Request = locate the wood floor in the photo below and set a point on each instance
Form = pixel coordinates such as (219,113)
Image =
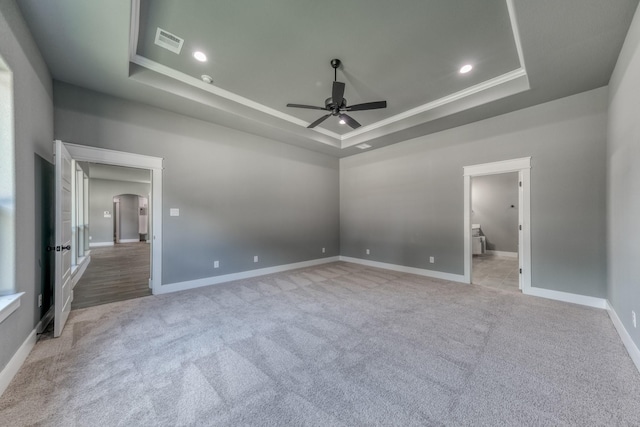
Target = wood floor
(116,273)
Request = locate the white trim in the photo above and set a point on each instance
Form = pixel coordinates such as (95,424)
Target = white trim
(404,269)
(130,240)
(480,87)
(502,253)
(516,31)
(631,347)
(141,161)
(503,166)
(523,167)
(16,361)
(9,304)
(215,280)
(84,153)
(79,271)
(566,297)
(100,244)
(222,93)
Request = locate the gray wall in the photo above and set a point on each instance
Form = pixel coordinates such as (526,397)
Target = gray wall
(623,156)
(129,223)
(405,202)
(33,135)
(491,199)
(239,194)
(101,193)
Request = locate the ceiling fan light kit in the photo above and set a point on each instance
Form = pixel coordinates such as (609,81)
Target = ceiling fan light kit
(337,105)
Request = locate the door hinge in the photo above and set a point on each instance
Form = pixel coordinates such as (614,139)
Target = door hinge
(520,227)
(520,271)
(520,184)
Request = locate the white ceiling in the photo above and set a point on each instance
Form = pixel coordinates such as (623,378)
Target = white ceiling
(263,55)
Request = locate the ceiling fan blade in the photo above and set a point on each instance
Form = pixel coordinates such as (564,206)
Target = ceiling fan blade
(350,121)
(309,107)
(317,122)
(337,93)
(367,106)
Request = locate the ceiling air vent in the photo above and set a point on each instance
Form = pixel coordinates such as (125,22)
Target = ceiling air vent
(168,41)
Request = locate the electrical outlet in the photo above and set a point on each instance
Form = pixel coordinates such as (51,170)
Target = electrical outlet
(432,259)
(368,252)
(216,264)
(40,305)
(633,317)
(323,250)
(255,258)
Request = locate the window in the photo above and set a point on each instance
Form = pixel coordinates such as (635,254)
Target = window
(7,184)
(9,299)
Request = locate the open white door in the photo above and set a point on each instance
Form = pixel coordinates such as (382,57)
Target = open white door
(63,295)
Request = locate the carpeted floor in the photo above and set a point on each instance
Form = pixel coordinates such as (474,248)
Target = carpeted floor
(337,344)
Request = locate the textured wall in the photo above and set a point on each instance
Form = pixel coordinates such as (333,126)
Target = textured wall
(623,190)
(33,131)
(405,202)
(491,199)
(239,195)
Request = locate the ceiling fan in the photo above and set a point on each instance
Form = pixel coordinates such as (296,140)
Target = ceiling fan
(337,105)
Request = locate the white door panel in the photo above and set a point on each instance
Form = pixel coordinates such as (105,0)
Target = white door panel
(63,295)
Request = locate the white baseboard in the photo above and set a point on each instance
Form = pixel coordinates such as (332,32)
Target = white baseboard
(631,347)
(215,280)
(79,271)
(503,253)
(566,297)
(129,240)
(16,361)
(100,244)
(404,269)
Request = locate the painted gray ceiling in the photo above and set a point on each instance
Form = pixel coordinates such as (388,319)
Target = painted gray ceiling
(270,53)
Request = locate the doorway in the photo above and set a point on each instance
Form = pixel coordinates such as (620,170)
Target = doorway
(494,231)
(81,153)
(520,169)
(118,229)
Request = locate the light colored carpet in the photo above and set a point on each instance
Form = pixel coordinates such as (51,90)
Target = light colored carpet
(337,344)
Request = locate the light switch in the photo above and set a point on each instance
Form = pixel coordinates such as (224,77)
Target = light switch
(174,212)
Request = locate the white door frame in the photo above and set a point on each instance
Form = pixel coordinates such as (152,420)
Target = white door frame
(523,167)
(120,158)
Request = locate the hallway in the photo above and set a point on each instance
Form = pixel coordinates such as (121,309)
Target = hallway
(116,273)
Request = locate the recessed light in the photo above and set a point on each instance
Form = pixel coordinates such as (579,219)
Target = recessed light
(466,68)
(207,79)
(342,122)
(363,146)
(200,56)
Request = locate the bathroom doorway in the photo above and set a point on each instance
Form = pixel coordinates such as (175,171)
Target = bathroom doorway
(494,231)
(498,255)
